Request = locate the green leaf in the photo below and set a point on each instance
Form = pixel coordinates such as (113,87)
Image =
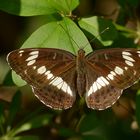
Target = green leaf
(92,137)
(133,3)
(36,122)
(35,7)
(27,7)
(94,26)
(64,35)
(26,138)
(123,42)
(138,107)
(64,6)
(126,31)
(66,132)
(17,79)
(21,138)
(2,118)
(1,113)
(8,80)
(14,107)
(89,122)
(123,28)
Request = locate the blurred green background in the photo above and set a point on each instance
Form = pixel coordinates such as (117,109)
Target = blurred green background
(22,116)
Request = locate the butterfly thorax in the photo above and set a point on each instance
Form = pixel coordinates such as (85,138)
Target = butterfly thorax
(81,71)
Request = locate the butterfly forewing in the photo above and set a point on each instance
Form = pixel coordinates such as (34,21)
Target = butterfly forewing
(50,72)
(113,70)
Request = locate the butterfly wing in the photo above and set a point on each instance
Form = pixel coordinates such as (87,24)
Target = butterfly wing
(48,72)
(109,72)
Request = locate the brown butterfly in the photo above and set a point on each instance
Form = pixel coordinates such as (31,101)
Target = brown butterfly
(56,76)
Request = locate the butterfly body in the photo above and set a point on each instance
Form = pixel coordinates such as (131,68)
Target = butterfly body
(56,76)
(81,72)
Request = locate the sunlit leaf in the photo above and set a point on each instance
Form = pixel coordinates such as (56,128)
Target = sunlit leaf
(64,6)
(36,122)
(95,26)
(21,138)
(64,35)
(27,7)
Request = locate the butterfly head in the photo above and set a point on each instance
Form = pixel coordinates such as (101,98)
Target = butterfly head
(81,53)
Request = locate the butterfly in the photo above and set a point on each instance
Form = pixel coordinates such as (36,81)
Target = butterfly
(56,75)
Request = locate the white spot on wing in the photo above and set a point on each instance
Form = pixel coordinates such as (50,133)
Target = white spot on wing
(118,70)
(20,54)
(25,71)
(129,63)
(41,70)
(113,73)
(34,53)
(138,53)
(49,76)
(110,76)
(98,84)
(54,57)
(31,62)
(69,91)
(135,72)
(90,91)
(34,67)
(56,81)
(32,57)
(105,80)
(126,68)
(21,51)
(100,81)
(94,87)
(48,72)
(61,84)
(126,53)
(105,55)
(128,58)
(64,87)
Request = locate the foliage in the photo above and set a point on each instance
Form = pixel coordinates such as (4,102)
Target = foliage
(63,28)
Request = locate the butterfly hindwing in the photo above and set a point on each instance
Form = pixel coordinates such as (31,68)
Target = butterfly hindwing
(59,94)
(100,94)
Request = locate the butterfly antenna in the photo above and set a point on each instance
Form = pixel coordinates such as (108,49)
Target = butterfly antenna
(75,41)
(96,37)
(67,32)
